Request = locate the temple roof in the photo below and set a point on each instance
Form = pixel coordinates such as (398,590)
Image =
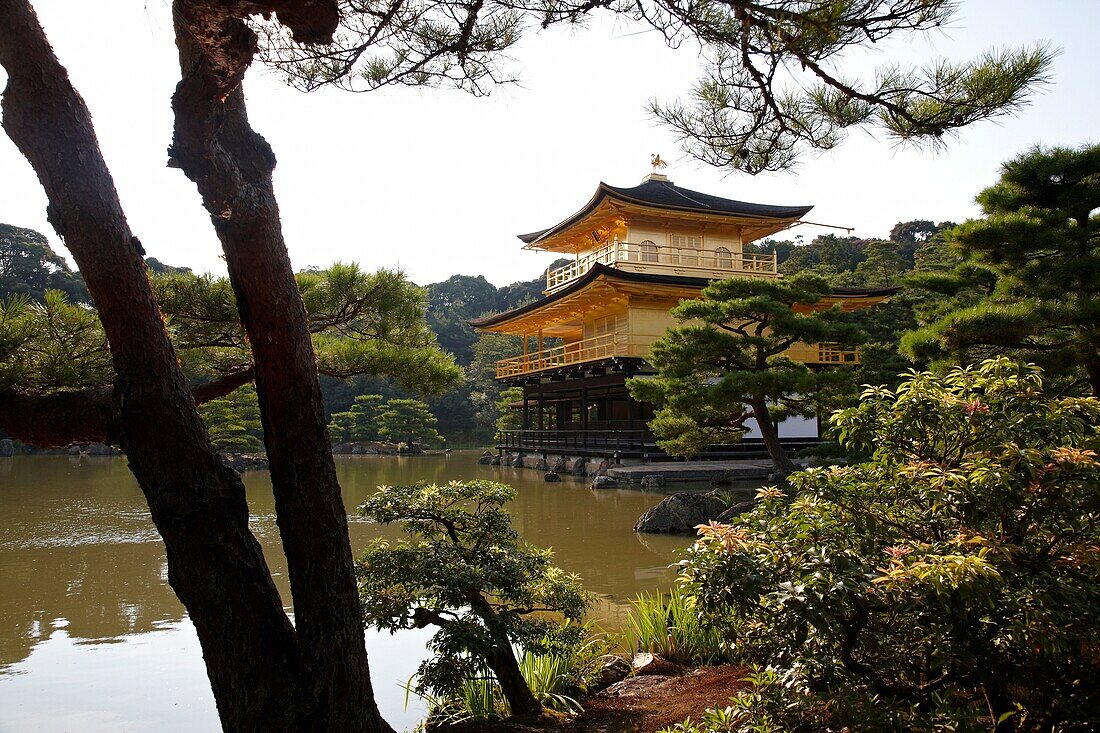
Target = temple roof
(611,273)
(663,194)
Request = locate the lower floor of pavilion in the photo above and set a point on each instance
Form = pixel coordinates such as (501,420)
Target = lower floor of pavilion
(590,413)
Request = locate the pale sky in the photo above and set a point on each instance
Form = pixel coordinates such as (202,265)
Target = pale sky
(437,183)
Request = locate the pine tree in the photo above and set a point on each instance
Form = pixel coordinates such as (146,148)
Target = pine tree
(359,423)
(408,421)
(233,421)
(726,364)
(1036,255)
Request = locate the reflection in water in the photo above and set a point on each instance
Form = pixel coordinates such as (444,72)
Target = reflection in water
(92,637)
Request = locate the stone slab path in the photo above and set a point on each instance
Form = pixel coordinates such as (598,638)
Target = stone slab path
(676,471)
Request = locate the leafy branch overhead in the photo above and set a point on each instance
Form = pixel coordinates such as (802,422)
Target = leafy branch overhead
(362,324)
(776,80)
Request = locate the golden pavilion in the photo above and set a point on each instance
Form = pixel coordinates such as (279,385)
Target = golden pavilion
(635,253)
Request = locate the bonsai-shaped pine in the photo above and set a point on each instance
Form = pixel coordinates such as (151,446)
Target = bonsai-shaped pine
(727,363)
(950,583)
(359,423)
(465,570)
(233,421)
(405,420)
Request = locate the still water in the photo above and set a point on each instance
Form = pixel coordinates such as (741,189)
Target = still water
(93,639)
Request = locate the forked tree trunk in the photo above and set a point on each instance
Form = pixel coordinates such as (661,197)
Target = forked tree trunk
(215,565)
(231,166)
(769,431)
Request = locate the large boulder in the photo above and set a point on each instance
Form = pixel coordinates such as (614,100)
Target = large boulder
(486,458)
(559,466)
(541,465)
(7,448)
(516,462)
(612,669)
(680,513)
(578,468)
(551,478)
(99,449)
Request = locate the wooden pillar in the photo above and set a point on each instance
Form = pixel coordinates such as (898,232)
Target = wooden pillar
(526,409)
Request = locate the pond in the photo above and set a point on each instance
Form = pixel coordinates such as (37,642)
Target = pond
(93,639)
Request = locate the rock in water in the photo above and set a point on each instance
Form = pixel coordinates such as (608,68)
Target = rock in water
(551,477)
(486,458)
(540,465)
(559,465)
(604,482)
(99,449)
(679,513)
(579,468)
(7,448)
(653,481)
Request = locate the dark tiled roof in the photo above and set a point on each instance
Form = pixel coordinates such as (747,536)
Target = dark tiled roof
(666,195)
(641,277)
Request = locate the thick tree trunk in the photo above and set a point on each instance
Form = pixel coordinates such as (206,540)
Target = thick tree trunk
(770,432)
(515,688)
(231,166)
(215,565)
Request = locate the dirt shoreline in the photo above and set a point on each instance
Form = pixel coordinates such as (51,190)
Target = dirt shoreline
(641,704)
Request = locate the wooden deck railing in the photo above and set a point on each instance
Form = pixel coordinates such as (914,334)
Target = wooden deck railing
(591,349)
(825,353)
(620,344)
(693,261)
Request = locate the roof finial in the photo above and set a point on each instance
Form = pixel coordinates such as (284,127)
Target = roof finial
(657,162)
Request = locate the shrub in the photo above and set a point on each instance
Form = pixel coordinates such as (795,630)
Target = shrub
(950,583)
(465,570)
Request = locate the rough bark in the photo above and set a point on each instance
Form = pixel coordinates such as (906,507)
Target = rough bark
(515,688)
(60,419)
(215,565)
(770,433)
(231,166)
(51,420)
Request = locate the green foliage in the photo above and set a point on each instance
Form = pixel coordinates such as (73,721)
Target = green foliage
(29,267)
(672,627)
(1030,284)
(731,355)
(953,577)
(408,421)
(233,421)
(360,423)
(480,698)
(464,569)
(775,81)
(510,418)
(51,345)
(363,324)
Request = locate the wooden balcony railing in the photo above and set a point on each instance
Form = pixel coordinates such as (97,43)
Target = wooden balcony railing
(696,262)
(620,344)
(824,353)
(591,349)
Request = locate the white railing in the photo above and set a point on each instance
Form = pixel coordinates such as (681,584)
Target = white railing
(591,349)
(678,258)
